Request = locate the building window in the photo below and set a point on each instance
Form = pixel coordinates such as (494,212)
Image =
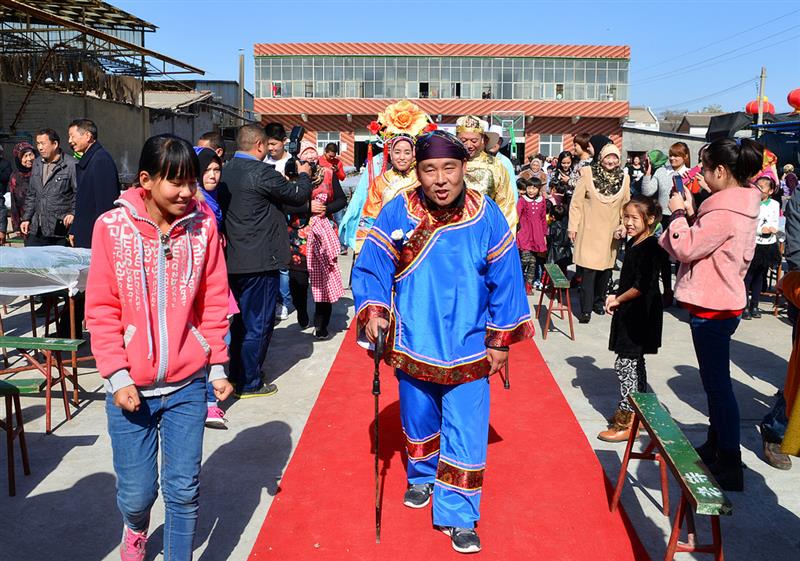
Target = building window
(550,144)
(423,90)
(324,137)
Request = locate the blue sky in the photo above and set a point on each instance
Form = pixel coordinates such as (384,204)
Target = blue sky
(684,55)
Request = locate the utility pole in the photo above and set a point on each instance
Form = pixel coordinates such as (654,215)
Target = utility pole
(761,95)
(241,87)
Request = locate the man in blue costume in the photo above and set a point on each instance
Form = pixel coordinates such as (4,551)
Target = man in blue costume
(440,273)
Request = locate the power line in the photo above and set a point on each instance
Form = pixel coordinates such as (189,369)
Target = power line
(726,90)
(718,41)
(716,59)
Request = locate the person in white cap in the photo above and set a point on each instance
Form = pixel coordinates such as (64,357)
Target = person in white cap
(485,173)
(494,150)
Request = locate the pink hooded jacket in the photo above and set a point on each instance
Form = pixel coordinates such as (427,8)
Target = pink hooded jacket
(716,251)
(156,304)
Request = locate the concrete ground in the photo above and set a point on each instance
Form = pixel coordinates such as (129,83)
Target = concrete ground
(66,509)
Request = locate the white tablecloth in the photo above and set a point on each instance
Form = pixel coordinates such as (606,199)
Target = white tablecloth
(28,271)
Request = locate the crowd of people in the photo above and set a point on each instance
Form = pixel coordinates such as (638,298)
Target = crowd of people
(193,265)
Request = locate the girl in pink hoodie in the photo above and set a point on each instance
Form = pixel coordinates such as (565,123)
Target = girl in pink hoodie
(715,247)
(156,306)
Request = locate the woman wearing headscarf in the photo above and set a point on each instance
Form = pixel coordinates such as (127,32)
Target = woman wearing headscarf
(595,225)
(314,246)
(24,155)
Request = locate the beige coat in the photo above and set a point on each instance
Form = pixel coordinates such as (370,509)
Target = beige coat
(595,218)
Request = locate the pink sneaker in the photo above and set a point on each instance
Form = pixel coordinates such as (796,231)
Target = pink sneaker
(215,418)
(133,544)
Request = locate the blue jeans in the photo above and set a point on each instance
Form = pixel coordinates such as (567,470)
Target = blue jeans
(175,421)
(712,345)
(285,296)
(251,332)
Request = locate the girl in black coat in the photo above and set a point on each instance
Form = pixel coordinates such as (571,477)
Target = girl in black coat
(637,307)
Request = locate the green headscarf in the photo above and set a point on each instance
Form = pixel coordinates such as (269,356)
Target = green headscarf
(657,159)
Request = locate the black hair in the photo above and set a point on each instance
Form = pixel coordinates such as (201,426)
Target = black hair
(647,207)
(215,140)
(742,157)
(85,125)
(168,157)
(558,211)
(249,135)
(522,184)
(332,147)
(51,135)
(536,182)
(769,180)
(275,131)
(565,154)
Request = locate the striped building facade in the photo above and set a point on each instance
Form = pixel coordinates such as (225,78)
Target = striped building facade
(545,94)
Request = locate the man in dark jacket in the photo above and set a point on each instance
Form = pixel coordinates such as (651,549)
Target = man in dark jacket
(251,195)
(50,200)
(98,181)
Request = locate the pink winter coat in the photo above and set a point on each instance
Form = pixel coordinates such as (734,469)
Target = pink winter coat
(156,305)
(716,251)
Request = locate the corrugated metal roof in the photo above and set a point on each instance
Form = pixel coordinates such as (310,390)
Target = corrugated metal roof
(319,106)
(173,100)
(442,49)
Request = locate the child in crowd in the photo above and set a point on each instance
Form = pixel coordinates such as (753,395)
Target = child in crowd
(532,232)
(559,246)
(714,251)
(767,253)
(637,322)
(211,170)
(156,305)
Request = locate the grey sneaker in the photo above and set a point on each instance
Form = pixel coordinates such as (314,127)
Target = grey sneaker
(263,390)
(418,495)
(463,540)
(776,458)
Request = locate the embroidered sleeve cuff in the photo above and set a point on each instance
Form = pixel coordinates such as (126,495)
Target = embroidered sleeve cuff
(371,311)
(216,372)
(503,338)
(118,380)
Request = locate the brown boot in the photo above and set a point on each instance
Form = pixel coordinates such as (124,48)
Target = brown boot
(620,429)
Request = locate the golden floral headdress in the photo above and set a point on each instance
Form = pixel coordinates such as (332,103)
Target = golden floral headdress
(404,118)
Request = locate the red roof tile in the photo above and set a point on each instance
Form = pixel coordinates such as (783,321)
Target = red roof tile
(442,49)
(321,106)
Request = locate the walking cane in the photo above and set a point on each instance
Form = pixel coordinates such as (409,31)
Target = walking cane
(376,391)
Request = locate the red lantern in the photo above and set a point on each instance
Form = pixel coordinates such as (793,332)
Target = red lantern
(752,107)
(793,99)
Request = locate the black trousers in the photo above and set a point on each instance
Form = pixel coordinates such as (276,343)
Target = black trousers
(298,286)
(593,289)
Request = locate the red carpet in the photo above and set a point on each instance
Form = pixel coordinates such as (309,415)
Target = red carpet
(544,496)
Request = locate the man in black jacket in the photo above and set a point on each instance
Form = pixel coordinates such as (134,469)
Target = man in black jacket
(50,200)
(98,181)
(251,195)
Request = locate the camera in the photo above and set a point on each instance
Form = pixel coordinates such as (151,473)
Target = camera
(293,148)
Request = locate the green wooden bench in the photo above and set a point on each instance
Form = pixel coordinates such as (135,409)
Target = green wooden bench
(556,285)
(11,390)
(700,493)
(51,347)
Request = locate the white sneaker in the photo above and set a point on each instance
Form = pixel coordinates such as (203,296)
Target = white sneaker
(282,312)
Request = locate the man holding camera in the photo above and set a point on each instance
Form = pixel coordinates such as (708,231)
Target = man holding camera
(251,195)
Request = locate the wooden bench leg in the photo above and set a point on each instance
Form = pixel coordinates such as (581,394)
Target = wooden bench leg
(62,381)
(3,350)
(545,282)
(716,532)
(569,314)
(66,373)
(549,316)
(20,429)
(9,426)
(662,466)
(623,470)
(33,314)
(677,524)
(48,389)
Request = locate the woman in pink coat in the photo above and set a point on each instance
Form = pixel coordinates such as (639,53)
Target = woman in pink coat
(715,248)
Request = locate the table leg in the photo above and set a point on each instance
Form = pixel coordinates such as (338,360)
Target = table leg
(48,390)
(10,447)
(33,315)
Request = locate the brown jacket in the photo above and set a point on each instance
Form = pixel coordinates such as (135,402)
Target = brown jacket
(595,218)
